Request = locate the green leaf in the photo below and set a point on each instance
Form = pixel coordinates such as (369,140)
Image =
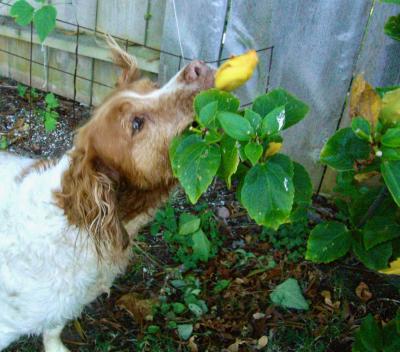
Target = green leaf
(185,331)
(302,185)
(328,241)
(361,128)
(383,90)
(343,149)
(44,21)
(254,119)
(51,101)
(188,223)
(391,138)
(288,294)
(391,1)
(376,258)
(268,191)
(195,164)
(22,11)
(208,114)
(201,245)
(391,337)
(195,309)
(274,121)
(212,137)
(221,285)
(226,101)
(379,229)
(295,109)
(369,336)
(153,329)
(50,123)
(390,153)
(391,174)
(3,142)
(229,159)
(236,126)
(392,27)
(253,152)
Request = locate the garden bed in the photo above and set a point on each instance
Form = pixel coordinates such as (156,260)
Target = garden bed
(235,284)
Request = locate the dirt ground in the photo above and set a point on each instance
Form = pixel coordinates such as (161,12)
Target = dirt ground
(238,317)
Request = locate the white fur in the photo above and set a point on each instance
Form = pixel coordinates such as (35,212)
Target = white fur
(48,270)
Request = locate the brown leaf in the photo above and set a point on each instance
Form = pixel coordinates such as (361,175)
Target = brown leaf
(141,309)
(363,292)
(192,345)
(364,101)
(235,346)
(262,342)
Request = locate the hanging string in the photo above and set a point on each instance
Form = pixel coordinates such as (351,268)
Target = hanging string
(177,28)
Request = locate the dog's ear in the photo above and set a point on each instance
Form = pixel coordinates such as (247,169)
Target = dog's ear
(88,198)
(128,64)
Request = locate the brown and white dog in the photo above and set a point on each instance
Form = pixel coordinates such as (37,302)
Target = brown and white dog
(66,226)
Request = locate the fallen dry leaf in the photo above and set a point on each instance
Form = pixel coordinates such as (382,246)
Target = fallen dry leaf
(364,101)
(192,345)
(363,292)
(141,309)
(235,346)
(262,342)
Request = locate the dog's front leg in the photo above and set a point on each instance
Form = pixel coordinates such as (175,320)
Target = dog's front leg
(52,341)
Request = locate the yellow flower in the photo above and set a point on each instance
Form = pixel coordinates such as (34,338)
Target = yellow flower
(394,268)
(273,148)
(236,71)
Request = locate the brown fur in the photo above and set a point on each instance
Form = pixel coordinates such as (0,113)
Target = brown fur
(118,174)
(37,166)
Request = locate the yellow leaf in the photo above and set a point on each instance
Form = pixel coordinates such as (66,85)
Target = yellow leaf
(390,113)
(236,71)
(141,309)
(273,148)
(364,101)
(394,268)
(366,176)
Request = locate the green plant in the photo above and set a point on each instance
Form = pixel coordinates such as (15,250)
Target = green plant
(243,145)
(49,115)
(392,25)
(3,142)
(21,90)
(373,337)
(369,218)
(192,239)
(43,17)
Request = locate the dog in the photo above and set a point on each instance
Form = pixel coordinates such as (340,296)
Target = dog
(66,225)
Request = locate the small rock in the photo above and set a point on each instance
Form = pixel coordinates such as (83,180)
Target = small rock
(223,212)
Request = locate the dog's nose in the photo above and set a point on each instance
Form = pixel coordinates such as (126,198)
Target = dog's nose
(195,70)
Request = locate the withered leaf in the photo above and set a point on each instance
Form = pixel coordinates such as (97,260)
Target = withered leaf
(363,292)
(364,101)
(141,309)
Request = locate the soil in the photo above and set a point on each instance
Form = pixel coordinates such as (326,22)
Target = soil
(239,316)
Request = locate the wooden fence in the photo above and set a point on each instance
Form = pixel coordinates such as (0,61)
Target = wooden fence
(312,48)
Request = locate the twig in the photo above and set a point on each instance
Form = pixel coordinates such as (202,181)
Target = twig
(374,206)
(7,87)
(147,255)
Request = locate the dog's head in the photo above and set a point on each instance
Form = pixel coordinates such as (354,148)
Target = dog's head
(127,142)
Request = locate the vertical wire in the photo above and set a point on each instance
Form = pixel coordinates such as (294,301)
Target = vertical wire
(76,70)
(30,71)
(177,28)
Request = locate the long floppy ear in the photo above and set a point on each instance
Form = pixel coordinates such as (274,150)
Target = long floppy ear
(88,197)
(130,70)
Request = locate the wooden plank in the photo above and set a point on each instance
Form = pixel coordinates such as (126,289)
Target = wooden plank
(89,45)
(77,11)
(201,25)
(123,18)
(105,75)
(155,23)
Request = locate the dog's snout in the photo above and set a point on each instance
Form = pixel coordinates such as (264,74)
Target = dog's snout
(198,71)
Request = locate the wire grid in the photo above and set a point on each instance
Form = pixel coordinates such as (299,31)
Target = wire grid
(268,51)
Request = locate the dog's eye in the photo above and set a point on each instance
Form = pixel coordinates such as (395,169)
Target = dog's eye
(137,124)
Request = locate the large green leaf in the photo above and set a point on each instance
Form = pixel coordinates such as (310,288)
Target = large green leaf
(369,337)
(229,159)
(268,191)
(379,229)
(274,121)
(195,164)
(208,114)
(44,20)
(327,242)
(295,109)
(22,11)
(391,337)
(390,153)
(376,258)
(201,245)
(302,185)
(236,126)
(254,119)
(288,294)
(391,138)
(226,101)
(392,27)
(188,223)
(343,149)
(391,174)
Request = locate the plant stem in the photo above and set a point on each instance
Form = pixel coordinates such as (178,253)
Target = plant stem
(374,206)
